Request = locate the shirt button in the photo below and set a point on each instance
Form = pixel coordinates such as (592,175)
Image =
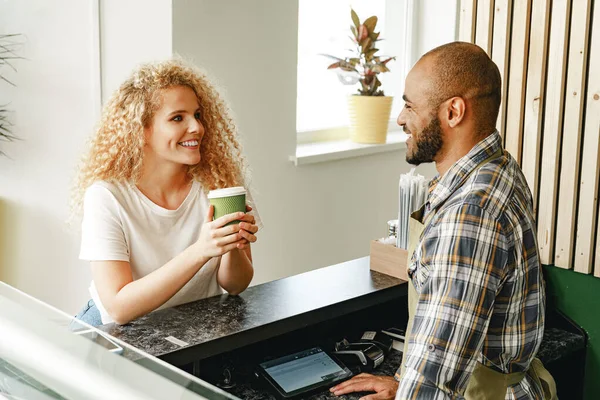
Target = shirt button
(431,347)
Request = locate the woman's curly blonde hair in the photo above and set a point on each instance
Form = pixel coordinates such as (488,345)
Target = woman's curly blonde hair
(116,150)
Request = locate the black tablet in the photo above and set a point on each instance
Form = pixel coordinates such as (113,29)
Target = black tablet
(303,372)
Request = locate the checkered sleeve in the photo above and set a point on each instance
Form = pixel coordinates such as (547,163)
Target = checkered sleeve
(461,268)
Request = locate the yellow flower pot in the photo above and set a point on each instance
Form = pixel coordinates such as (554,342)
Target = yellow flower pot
(369,118)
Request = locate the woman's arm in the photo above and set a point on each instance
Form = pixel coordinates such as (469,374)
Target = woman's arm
(236,271)
(126,299)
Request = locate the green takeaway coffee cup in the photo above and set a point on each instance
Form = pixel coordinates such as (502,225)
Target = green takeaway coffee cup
(228,201)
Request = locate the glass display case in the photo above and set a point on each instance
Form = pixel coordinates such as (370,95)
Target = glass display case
(48,354)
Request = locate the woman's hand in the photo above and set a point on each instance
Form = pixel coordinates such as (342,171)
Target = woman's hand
(248,229)
(217,239)
(236,271)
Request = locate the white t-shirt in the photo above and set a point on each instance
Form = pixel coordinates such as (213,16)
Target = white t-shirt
(120,223)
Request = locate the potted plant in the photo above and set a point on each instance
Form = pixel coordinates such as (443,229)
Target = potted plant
(369,109)
(7,54)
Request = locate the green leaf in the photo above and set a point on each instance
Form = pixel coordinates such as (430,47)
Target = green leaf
(335,65)
(374,36)
(379,68)
(354,18)
(5,127)
(349,69)
(370,23)
(370,52)
(353,29)
(363,33)
(366,44)
(347,66)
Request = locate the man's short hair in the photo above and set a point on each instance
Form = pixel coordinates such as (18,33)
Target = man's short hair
(464,70)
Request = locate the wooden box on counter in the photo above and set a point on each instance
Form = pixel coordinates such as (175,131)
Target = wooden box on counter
(389,259)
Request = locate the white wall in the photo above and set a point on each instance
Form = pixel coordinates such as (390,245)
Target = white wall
(56,104)
(435,24)
(314,215)
(53,107)
(132,32)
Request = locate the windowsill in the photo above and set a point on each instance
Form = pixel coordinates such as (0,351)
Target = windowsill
(317,152)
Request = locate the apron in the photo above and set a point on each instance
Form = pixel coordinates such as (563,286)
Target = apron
(484,383)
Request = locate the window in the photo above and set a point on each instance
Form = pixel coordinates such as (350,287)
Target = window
(324,28)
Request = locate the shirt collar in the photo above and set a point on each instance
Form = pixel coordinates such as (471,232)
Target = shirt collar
(441,187)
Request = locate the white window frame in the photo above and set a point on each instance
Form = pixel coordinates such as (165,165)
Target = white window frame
(407,57)
(331,144)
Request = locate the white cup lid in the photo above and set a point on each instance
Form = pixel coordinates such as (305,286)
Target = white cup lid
(227,192)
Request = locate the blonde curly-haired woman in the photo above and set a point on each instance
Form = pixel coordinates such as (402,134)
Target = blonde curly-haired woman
(165,139)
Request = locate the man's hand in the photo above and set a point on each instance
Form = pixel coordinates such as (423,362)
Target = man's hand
(384,386)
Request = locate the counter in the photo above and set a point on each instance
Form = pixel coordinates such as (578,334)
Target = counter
(223,323)
(232,333)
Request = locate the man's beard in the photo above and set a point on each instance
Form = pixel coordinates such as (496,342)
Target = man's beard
(428,144)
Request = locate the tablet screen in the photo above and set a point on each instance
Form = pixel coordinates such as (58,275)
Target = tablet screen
(304,370)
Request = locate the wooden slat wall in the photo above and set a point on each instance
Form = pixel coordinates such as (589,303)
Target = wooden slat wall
(553,118)
(588,189)
(468,15)
(484,24)
(573,125)
(502,28)
(534,94)
(592,124)
(519,48)
(548,52)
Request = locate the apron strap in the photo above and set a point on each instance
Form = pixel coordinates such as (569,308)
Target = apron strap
(539,373)
(488,384)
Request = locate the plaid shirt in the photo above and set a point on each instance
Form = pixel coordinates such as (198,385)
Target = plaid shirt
(478,277)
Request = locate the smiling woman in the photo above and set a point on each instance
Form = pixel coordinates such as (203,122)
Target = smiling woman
(165,139)
(176,129)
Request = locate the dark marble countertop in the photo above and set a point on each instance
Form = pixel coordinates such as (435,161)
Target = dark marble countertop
(387,368)
(223,323)
(557,343)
